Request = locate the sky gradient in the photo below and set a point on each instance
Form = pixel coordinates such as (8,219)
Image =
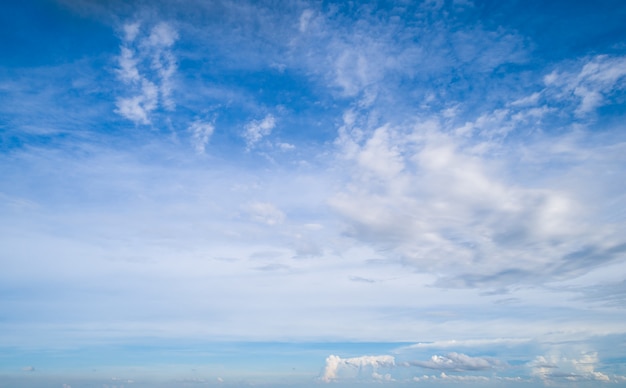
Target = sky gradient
(312,193)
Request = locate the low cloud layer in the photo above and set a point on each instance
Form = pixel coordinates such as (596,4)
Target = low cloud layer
(336,365)
(458,362)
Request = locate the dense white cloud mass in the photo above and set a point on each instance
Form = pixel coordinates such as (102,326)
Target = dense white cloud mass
(437,204)
(335,365)
(555,369)
(367,368)
(228,192)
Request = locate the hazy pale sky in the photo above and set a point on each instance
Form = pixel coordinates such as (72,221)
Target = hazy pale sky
(312,193)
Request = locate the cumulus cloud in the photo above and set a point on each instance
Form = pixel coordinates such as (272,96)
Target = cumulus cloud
(459,362)
(257,129)
(555,368)
(146,67)
(443,187)
(438,196)
(335,365)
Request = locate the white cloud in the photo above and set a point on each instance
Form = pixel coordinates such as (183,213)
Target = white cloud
(139,107)
(188,381)
(443,201)
(380,156)
(353,72)
(591,82)
(335,365)
(162,35)
(459,362)
(305,19)
(131,30)
(201,134)
(330,370)
(265,212)
(367,61)
(128,66)
(352,63)
(557,368)
(381,377)
(443,377)
(472,343)
(257,129)
(286,146)
(488,199)
(162,38)
(146,68)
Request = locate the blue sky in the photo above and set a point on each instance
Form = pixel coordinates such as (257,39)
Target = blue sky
(233,193)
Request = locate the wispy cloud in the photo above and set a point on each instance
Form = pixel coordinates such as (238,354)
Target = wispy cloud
(475,343)
(201,134)
(589,83)
(443,377)
(258,129)
(265,212)
(371,59)
(146,67)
